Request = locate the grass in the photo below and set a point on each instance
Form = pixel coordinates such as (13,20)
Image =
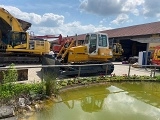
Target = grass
(10,90)
(50,85)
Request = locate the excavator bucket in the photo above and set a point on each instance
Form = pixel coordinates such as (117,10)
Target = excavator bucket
(49,63)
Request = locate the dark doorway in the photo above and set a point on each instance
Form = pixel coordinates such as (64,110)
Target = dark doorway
(132,48)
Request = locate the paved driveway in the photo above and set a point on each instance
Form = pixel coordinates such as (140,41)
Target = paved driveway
(121,69)
(35,75)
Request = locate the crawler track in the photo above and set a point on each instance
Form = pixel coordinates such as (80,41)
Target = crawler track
(90,68)
(20,59)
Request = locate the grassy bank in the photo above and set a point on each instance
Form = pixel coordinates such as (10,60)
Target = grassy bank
(10,90)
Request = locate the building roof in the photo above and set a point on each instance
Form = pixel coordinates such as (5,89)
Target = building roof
(136,30)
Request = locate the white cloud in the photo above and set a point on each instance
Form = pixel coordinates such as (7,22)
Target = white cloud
(132,6)
(50,23)
(119,11)
(102,7)
(119,8)
(70,29)
(46,20)
(121,19)
(151,8)
(158,15)
(110,7)
(51,20)
(102,21)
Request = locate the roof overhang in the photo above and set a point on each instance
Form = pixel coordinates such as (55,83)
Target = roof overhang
(147,40)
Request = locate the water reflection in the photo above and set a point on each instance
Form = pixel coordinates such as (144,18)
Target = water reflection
(146,92)
(92,104)
(133,101)
(90,101)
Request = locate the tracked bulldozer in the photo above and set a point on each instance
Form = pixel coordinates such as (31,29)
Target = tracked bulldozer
(91,58)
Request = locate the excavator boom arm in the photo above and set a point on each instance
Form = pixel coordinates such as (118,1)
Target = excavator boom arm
(6,17)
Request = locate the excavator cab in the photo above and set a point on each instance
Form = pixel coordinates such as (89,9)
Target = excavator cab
(92,43)
(98,47)
(95,41)
(16,38)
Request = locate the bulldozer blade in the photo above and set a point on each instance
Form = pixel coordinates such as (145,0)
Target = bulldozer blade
(48,60)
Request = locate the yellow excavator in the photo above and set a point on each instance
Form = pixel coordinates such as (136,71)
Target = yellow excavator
(16,47)
(117,52)
(15,43)
(95,51)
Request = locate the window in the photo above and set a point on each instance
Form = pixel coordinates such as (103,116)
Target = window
(86,39)
(103,41)
(93,41)
(17,38)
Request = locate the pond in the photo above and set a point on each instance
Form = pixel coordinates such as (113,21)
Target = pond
(111,101)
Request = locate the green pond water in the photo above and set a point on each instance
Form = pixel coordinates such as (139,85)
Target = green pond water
(112,101)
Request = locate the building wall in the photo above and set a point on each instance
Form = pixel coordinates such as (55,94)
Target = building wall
(152,46)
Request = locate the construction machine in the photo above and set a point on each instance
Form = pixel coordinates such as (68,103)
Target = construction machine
(15,43)
(116,47)
(56,42)
(156,56)
(95,52)
(117,52)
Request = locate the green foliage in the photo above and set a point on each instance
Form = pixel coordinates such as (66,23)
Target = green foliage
(70,82)
(102,78)
(51,84)
(11,75)
(11,90)
(84,82)
(17,90)
(157,77)
(64,83)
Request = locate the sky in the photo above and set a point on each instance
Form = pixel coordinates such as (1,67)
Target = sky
(70,17)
